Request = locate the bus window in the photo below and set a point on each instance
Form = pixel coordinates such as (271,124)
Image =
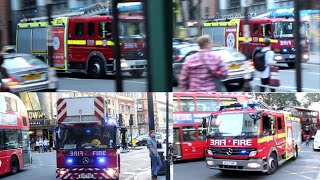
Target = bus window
(201,136)
(206,104)
(1,140)
(186,104)
(11,139)
(189,133)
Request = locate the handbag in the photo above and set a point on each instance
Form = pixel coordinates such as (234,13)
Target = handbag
(220,87)
(274,79)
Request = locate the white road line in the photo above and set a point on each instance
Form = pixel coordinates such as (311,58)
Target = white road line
(306,177)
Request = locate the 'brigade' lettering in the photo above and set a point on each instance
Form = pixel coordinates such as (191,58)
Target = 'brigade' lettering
(76,153)
(218,142)
(99,153)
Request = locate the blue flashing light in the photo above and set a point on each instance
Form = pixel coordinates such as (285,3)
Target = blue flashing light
(69,160)
(238,105)
(243,151)
(285,50)
(88,131)
(101,159)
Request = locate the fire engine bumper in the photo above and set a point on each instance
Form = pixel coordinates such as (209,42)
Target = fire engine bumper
(289,58)
(239,165)
(87,173)
(129,65)
(31,87)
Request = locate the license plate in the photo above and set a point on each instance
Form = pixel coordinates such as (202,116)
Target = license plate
(229,163)
(235,66)
(292,56)
(31,77)
(86,176)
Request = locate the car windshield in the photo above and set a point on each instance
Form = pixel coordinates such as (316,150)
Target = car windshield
(286,29)
(186,50)
(86,137)
(231,125)
(132,29)
(21,62)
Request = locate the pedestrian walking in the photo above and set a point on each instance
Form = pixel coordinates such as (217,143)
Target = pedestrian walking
(45,145)
(262,59)
(40,146)
(203,71)
(3,75)
(32,144)
(37,145)
(154,156)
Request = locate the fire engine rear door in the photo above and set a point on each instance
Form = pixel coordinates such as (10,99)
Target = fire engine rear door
(289,143)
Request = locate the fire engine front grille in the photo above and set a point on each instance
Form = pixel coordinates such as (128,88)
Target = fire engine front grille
(232,151)
(134,55)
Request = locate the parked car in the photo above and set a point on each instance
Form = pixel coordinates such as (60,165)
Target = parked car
(236,62)
(27,73)
(142,140)
(8,49)
(316,141)
(179,51)
(159,139)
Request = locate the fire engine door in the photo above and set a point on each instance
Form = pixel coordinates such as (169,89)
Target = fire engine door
(268,129)
(280,135)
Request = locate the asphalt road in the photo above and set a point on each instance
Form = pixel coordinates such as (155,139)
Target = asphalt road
(306,167)
(83,83)
(310,79)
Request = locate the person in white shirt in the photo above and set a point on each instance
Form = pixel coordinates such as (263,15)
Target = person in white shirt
(265,75)
(45,145)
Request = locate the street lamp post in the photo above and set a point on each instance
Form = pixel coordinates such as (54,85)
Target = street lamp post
(297,44)
(246,27)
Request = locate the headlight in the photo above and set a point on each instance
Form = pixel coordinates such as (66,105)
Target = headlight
(124,65)
(305,56)
(278,58)
(111,172)
(252,153)
(253,165)
(62,172)
(210,163)
(209,152)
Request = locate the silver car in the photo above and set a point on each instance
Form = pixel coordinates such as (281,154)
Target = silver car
(27,73)
(236,62)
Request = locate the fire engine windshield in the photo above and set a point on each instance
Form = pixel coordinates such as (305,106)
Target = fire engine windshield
(231,125)
(286,29)
(86,137)
(132,29)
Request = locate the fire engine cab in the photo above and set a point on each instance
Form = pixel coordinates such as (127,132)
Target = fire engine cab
(229,31)
(83,41)
(85,141)
(243,137)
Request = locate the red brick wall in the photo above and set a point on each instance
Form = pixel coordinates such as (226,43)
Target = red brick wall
(4,29)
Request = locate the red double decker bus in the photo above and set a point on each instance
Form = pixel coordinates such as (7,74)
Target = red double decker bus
(189,108)
(310,121)
(14,134)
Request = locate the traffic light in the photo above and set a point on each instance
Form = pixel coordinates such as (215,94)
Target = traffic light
(131,120)
(120,121)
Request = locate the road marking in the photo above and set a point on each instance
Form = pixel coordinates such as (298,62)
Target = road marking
(306,177)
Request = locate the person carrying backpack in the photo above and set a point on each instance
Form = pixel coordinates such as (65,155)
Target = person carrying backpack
(262,59)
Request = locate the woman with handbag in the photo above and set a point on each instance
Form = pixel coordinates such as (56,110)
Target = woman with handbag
(203,70)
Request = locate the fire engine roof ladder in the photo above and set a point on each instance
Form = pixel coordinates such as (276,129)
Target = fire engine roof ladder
(92,10)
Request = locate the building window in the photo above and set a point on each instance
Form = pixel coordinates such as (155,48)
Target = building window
(79,29)
(139,95)
(234,3)
(139,106)
(90,29)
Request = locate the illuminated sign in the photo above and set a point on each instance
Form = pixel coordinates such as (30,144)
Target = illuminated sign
(35,115)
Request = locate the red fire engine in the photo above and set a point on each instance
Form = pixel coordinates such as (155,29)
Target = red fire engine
(86,143)
(229,31)
(244,138)
(83,42)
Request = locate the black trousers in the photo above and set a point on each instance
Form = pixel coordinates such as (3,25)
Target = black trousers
(265,81)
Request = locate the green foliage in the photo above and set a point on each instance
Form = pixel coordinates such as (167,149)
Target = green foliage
(279,99)
(310,98)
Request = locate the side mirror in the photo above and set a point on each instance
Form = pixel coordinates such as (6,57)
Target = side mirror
(204,125)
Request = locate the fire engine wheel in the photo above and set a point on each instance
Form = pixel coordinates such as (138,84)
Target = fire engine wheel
(96,68)
(295,153)
(14,165)
(272,164)
(136,73)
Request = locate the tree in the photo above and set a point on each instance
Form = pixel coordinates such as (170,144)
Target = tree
(310,98)
(279,99)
